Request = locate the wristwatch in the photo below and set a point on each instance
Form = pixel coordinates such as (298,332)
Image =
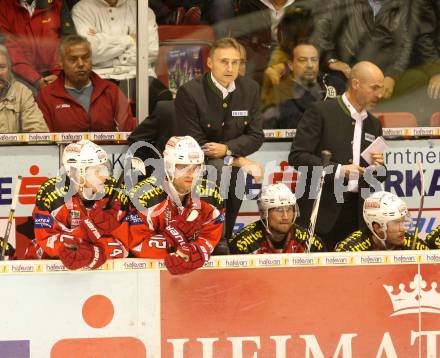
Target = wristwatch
(332,60)
(227,160)
(228,151)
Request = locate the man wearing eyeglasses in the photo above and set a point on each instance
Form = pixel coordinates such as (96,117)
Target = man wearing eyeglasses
(221,111)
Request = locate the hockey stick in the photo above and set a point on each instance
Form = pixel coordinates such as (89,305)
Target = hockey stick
(5,238)
(325,156)
(422,200)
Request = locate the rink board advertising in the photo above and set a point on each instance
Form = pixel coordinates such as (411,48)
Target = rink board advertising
(317,305)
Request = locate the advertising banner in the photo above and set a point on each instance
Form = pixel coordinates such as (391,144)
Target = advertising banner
(60,314)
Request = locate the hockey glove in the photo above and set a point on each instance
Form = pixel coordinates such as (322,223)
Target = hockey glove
(183,227)
(112,247)
(84,254)
(105,220)
(188,257)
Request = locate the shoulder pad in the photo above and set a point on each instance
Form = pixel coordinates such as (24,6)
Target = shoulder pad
(408,240)
(51,194)
(111,184)
(433,239)
(208,192)
(147,193)
(301,235)
(357,241)
(247,240)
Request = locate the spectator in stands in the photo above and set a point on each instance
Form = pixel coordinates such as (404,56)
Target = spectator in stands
(376,31)
(33,30)
(276,231)
(192,12)
(175,12)
(344,127)
(387,218)
(425,22)
(287,101)
(110,26)
(69,220)
(221,111)
(18,110)
(418,89)
(79,100)
(257,29)
(296,27)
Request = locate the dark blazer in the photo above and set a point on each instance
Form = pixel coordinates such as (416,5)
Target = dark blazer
(157,128)
(328,126)
(202,113)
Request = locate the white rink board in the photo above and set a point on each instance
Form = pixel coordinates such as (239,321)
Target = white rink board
(52,304)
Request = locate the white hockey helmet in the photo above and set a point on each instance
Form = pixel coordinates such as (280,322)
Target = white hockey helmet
(275,196)
(82,155)
(383,207)
(181,150)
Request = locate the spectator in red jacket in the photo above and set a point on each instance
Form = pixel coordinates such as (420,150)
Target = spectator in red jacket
(79,100)
(33,29)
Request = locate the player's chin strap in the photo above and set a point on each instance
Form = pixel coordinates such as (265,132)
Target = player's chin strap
(382,241)
(88,193)
(264,218)
(173,191)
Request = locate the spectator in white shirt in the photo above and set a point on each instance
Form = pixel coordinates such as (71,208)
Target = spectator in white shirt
(110,26)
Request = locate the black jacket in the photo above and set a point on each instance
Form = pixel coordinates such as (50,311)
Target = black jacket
(349,32)
(292,99)
(425,27)
(328,126)
(202,113)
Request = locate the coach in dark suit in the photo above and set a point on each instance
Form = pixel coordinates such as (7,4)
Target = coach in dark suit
(344,127)
(221,111)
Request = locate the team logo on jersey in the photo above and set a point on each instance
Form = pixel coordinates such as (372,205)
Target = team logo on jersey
(75,218)
(133,219)
(43,221)
(220,219)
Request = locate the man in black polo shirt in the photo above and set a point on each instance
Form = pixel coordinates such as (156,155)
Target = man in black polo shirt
(221,111)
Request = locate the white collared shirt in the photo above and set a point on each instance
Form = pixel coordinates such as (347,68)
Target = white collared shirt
(29,7)
(225,91)
(276,16)
(357,138)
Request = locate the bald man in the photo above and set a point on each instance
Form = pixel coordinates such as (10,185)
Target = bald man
(344,127)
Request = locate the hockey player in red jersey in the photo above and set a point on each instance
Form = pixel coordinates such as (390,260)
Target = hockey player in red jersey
(70,222)
(276,232)
(180,217)
(387,218)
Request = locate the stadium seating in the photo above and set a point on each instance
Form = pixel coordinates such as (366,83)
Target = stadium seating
(435,120)
(396,119)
